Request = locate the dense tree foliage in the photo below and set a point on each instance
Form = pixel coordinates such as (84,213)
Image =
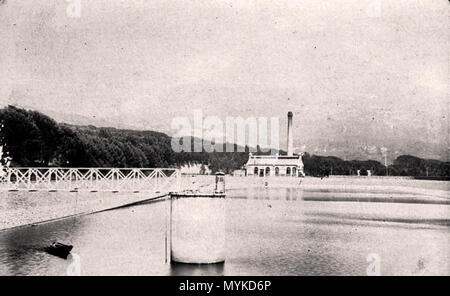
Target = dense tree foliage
(407,165)
(28,136)
(34,139)
(330,165)
(404,165)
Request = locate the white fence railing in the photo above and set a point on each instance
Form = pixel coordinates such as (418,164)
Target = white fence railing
(90,179)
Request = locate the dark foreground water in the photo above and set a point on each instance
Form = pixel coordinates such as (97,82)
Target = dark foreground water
(269,232)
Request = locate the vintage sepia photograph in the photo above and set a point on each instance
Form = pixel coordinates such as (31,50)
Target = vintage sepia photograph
(224,138)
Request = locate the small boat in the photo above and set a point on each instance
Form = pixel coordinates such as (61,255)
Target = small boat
(59,250)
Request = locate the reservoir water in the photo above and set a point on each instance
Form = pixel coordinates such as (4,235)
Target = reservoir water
(269,231)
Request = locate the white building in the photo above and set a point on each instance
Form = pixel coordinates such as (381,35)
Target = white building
(277,165)
(195,169)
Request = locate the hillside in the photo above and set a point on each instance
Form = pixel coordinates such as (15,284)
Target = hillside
(34,139)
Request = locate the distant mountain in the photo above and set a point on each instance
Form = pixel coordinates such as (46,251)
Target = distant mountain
(353,144)
(364,151)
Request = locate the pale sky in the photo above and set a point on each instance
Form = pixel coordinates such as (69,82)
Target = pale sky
(358,75)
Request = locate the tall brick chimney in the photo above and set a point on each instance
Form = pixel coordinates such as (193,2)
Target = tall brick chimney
(290,141)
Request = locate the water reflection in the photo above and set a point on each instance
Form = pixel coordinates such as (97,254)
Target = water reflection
(289,235)
(267,193)
(24,248)
(351,218)
(181,269)
(298,193)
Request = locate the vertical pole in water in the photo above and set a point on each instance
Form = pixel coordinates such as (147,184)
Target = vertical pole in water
(197,226)
(168,238)
(168,229)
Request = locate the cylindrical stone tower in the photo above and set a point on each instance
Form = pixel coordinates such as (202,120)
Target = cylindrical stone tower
(197,229)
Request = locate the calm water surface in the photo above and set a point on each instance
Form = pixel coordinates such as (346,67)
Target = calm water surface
(269,232)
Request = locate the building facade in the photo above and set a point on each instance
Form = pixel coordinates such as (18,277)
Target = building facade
(277,165)
(274,165)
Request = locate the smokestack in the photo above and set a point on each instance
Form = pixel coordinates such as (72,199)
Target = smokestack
(290,142)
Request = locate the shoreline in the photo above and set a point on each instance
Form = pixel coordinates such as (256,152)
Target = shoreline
(145,201)
(34,209)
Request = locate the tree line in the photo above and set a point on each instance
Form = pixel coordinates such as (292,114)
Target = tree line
(404,165)
(31,138)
